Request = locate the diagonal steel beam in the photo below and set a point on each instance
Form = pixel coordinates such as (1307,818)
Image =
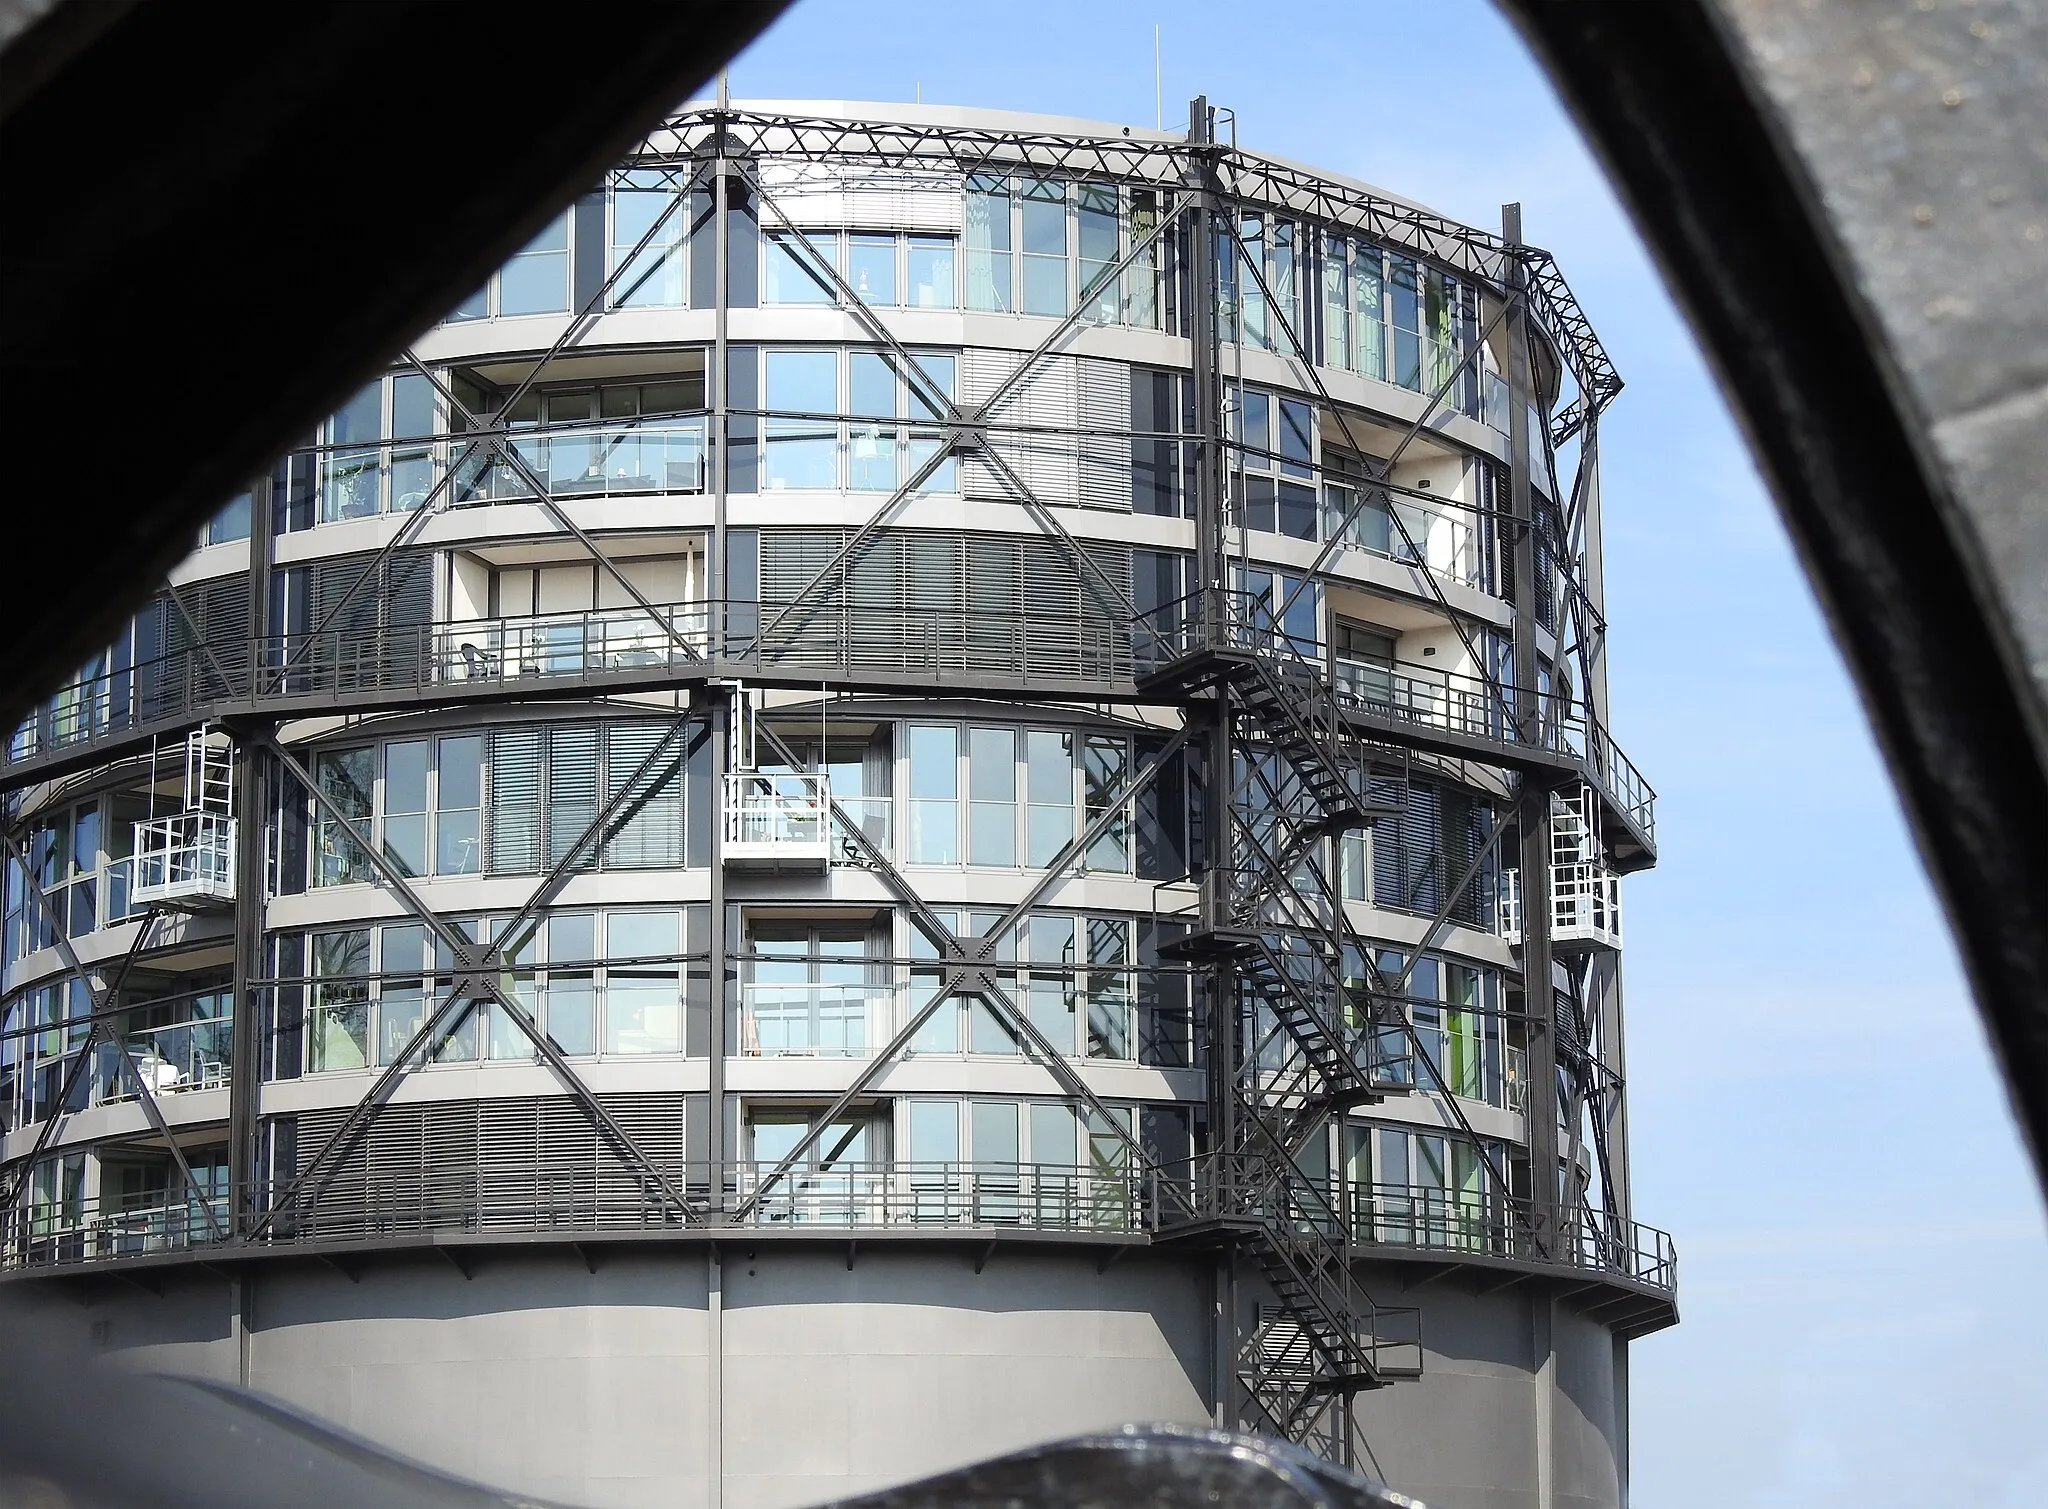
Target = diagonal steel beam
(1168,218)
(510,941)
(554,511)
(467,954)
(1119,600)
(199,640)
(959,979)
(1077,848)
(622,1140)
(396,881)
(380,1091)
(99,1024)
(1383,469)
(857,541)
(410,531)
(75,967)
(940,401)
(573,330)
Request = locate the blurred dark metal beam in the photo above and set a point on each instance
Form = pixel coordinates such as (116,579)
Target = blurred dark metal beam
(222,219)
(1851,202)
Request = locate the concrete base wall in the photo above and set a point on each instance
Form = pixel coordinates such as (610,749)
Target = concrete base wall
(1514,1389)
(787,1377)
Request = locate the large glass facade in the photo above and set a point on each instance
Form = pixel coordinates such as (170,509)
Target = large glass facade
(774,641)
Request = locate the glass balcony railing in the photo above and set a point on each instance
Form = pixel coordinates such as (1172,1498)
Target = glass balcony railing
(601,461)
(815,1020)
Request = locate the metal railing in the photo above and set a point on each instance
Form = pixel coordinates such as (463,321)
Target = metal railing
(1585,904)
(860,1196)
(777,816)
(815,1021)
(188,856)
(68,1232)
(599,460)
(1466,706)
(821,640)
(1490,1225)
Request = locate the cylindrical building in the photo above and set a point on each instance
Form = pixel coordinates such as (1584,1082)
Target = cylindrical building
(937,777)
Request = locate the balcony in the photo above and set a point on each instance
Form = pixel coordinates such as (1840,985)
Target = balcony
(815,1021)
(185,861)
(70,1232)
(777,821)
(1449,1221)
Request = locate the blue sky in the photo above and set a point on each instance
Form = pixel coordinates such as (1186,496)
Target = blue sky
(1864,1268)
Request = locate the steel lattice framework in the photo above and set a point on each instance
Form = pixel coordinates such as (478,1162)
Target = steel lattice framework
(1303,1019)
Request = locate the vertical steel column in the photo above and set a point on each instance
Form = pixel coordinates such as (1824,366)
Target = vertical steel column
(1210,564)
(245,1075)
(1539,993)
(719,716)
(717,710)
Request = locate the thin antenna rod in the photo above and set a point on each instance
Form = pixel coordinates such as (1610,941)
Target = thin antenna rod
(1158,94)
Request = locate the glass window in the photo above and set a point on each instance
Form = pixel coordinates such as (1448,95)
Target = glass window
(1045,246)
(941,1031)
(934,793)
(536,280)
(1405,309)
(1053,1139)
(458,821)
(871,452)
(1049,789)
(992,1132)
(349,469)
(988,243)
(1049,994)
(401,1003)
(571,995)
(643,1004)
(871,268)
(1104,767)
(231,523)
(412,420)
(656,278)
(338,1029)
(642,1013)
(1109,988)
(405,805)
(1143,276)
(931,276)
(1096,216)
(938,366)
(347,777)
(801,451)
(641,935)
(790,279)
(1297,445)
(992,796)
(1252,239)
(1280,276)
(1336,309)
(933,1130)
(1368,329)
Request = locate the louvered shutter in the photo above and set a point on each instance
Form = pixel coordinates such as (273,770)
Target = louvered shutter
(1105,462)
(648,833)
(572,782)
(515,800)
